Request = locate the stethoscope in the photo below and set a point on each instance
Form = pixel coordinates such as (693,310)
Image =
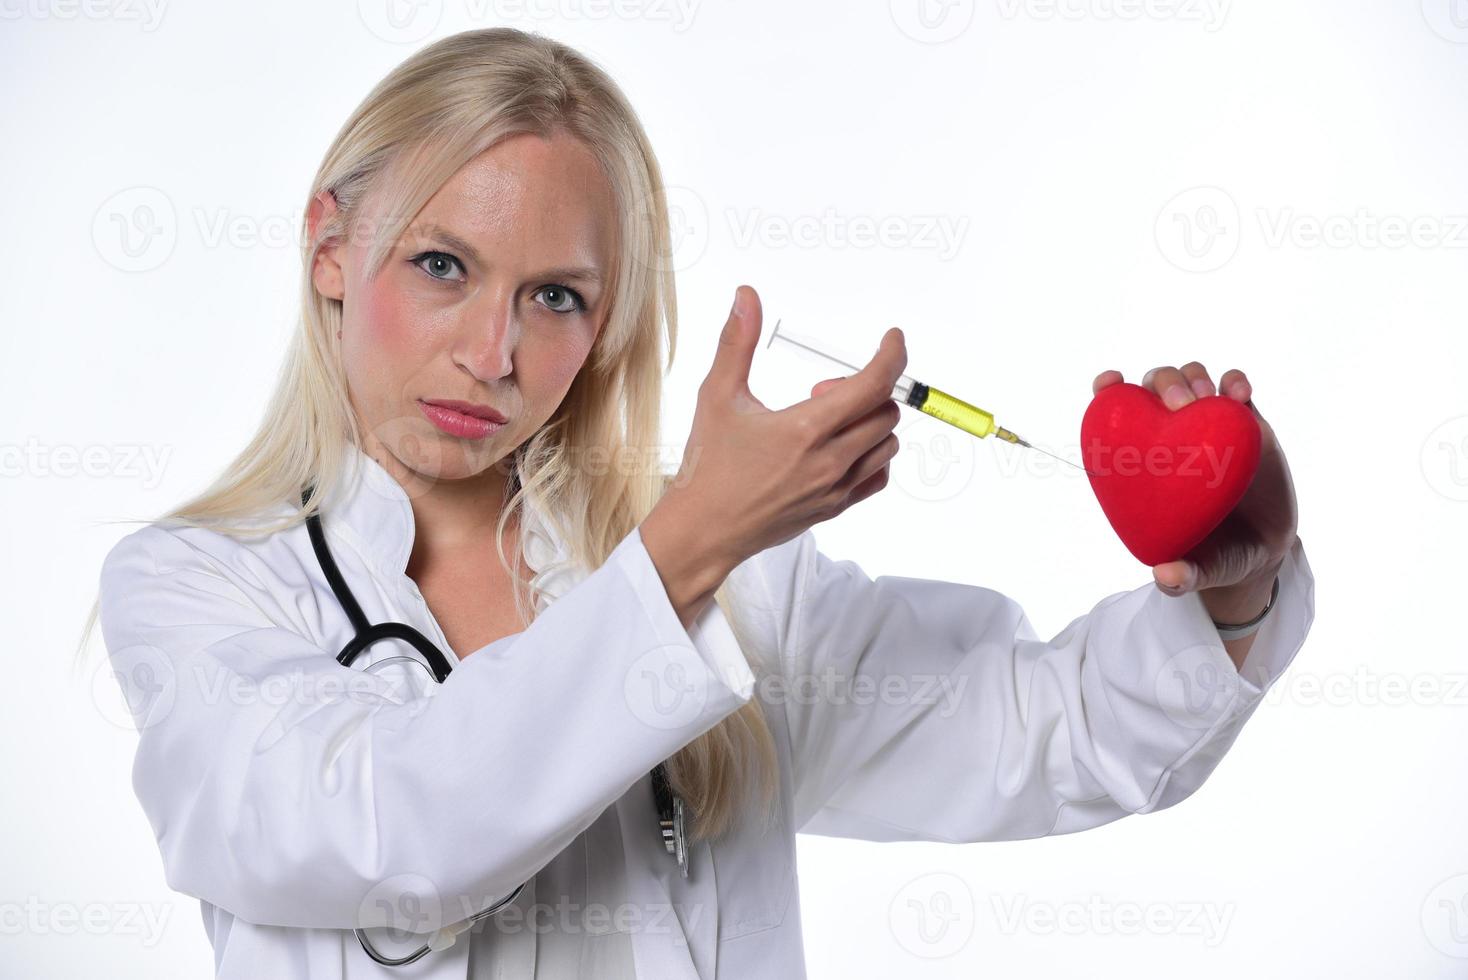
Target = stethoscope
(669,804)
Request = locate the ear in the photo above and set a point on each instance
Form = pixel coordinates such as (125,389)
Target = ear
(326,270)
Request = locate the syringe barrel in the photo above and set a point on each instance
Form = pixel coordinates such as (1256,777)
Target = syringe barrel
(955,411)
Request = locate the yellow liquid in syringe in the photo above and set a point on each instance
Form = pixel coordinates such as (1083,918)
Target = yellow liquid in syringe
(954,411)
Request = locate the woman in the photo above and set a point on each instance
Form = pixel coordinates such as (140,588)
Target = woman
(466,420)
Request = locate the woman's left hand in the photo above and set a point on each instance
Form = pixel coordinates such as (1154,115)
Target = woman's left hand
(1234,567)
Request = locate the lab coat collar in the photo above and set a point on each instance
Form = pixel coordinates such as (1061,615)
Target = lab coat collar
(379,514)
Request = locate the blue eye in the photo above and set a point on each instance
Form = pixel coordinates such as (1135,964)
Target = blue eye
(438,261)
(561,299)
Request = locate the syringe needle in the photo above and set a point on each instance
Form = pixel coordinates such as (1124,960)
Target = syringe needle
(1008,436)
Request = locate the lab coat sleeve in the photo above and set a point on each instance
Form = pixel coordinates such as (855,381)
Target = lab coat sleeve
(292,791)
(930,710)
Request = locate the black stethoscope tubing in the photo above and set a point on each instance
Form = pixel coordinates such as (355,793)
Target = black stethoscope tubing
(669,805)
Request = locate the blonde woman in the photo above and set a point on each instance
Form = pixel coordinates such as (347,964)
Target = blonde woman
(445,677)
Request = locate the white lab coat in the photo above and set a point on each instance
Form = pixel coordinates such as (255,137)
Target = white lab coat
(296,798)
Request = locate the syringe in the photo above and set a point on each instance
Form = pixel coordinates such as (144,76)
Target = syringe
(923,397)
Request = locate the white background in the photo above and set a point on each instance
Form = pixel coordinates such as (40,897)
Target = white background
(1123,184)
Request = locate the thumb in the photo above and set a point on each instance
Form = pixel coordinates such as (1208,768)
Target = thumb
(738,341)
(1176,577)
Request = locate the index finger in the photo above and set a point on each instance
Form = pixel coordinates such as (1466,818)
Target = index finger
(858,394)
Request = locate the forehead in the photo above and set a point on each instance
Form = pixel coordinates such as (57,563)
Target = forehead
(529,200)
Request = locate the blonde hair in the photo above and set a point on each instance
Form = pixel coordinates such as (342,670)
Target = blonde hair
(427,118)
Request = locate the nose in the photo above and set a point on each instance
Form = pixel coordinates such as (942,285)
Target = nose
(487,342)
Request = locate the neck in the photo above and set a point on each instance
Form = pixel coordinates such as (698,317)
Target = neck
(451,517)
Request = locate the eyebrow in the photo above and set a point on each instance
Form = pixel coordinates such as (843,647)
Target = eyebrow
(580,273)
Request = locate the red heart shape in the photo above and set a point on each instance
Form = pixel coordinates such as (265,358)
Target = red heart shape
(1165,479)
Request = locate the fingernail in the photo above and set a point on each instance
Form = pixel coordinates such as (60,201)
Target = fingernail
(735,310)
(1202,388)
(1176,396)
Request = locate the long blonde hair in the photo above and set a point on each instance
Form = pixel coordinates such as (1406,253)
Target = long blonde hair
(427,118)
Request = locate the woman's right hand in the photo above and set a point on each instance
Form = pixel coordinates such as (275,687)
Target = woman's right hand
(752,478)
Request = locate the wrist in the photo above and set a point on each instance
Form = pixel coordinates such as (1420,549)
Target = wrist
(690,568)
(1242,601)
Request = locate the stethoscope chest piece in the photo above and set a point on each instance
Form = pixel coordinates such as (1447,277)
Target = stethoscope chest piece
(670,818)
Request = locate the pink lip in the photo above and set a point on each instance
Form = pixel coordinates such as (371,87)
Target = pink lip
(463,419)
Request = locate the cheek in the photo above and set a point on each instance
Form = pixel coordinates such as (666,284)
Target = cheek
(380,345)
(549,370)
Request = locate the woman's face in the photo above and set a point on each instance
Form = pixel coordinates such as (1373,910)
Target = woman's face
(489,302)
